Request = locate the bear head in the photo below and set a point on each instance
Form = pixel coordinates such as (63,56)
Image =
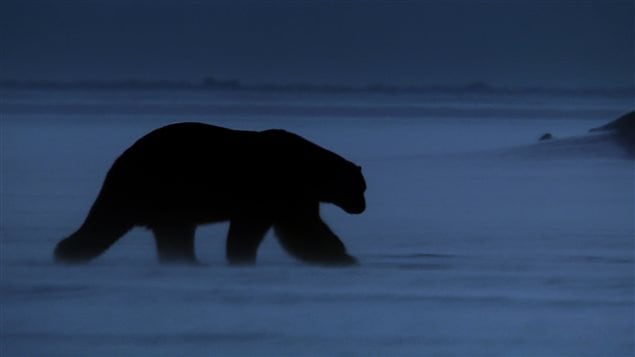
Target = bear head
(314,172)
(344,186)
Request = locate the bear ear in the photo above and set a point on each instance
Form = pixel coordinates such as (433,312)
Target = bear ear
(359,168)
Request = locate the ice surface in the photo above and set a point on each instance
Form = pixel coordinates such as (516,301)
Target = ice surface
(477,239)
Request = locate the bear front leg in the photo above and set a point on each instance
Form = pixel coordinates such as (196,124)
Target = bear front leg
(304,235)
(175,242)
(244,237)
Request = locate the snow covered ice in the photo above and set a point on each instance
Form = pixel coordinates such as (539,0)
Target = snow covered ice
(477,240)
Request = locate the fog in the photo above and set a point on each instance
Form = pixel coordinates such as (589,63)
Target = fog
(477,239)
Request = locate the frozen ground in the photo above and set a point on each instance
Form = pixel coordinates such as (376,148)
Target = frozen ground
(476,241)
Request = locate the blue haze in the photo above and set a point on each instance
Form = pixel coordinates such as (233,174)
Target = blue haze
(477,240)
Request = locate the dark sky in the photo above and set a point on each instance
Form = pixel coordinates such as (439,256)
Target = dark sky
(563,43)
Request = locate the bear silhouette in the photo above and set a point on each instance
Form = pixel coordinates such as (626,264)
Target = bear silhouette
(186,174)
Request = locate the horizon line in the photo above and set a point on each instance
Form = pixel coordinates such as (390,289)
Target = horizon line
(212,83)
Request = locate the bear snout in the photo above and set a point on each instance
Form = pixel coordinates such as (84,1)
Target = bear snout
(355,207)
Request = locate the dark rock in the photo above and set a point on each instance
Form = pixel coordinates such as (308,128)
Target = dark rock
(624,130)
(546,136)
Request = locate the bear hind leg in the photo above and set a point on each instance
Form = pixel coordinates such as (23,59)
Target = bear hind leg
(175,243)
(90,241)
